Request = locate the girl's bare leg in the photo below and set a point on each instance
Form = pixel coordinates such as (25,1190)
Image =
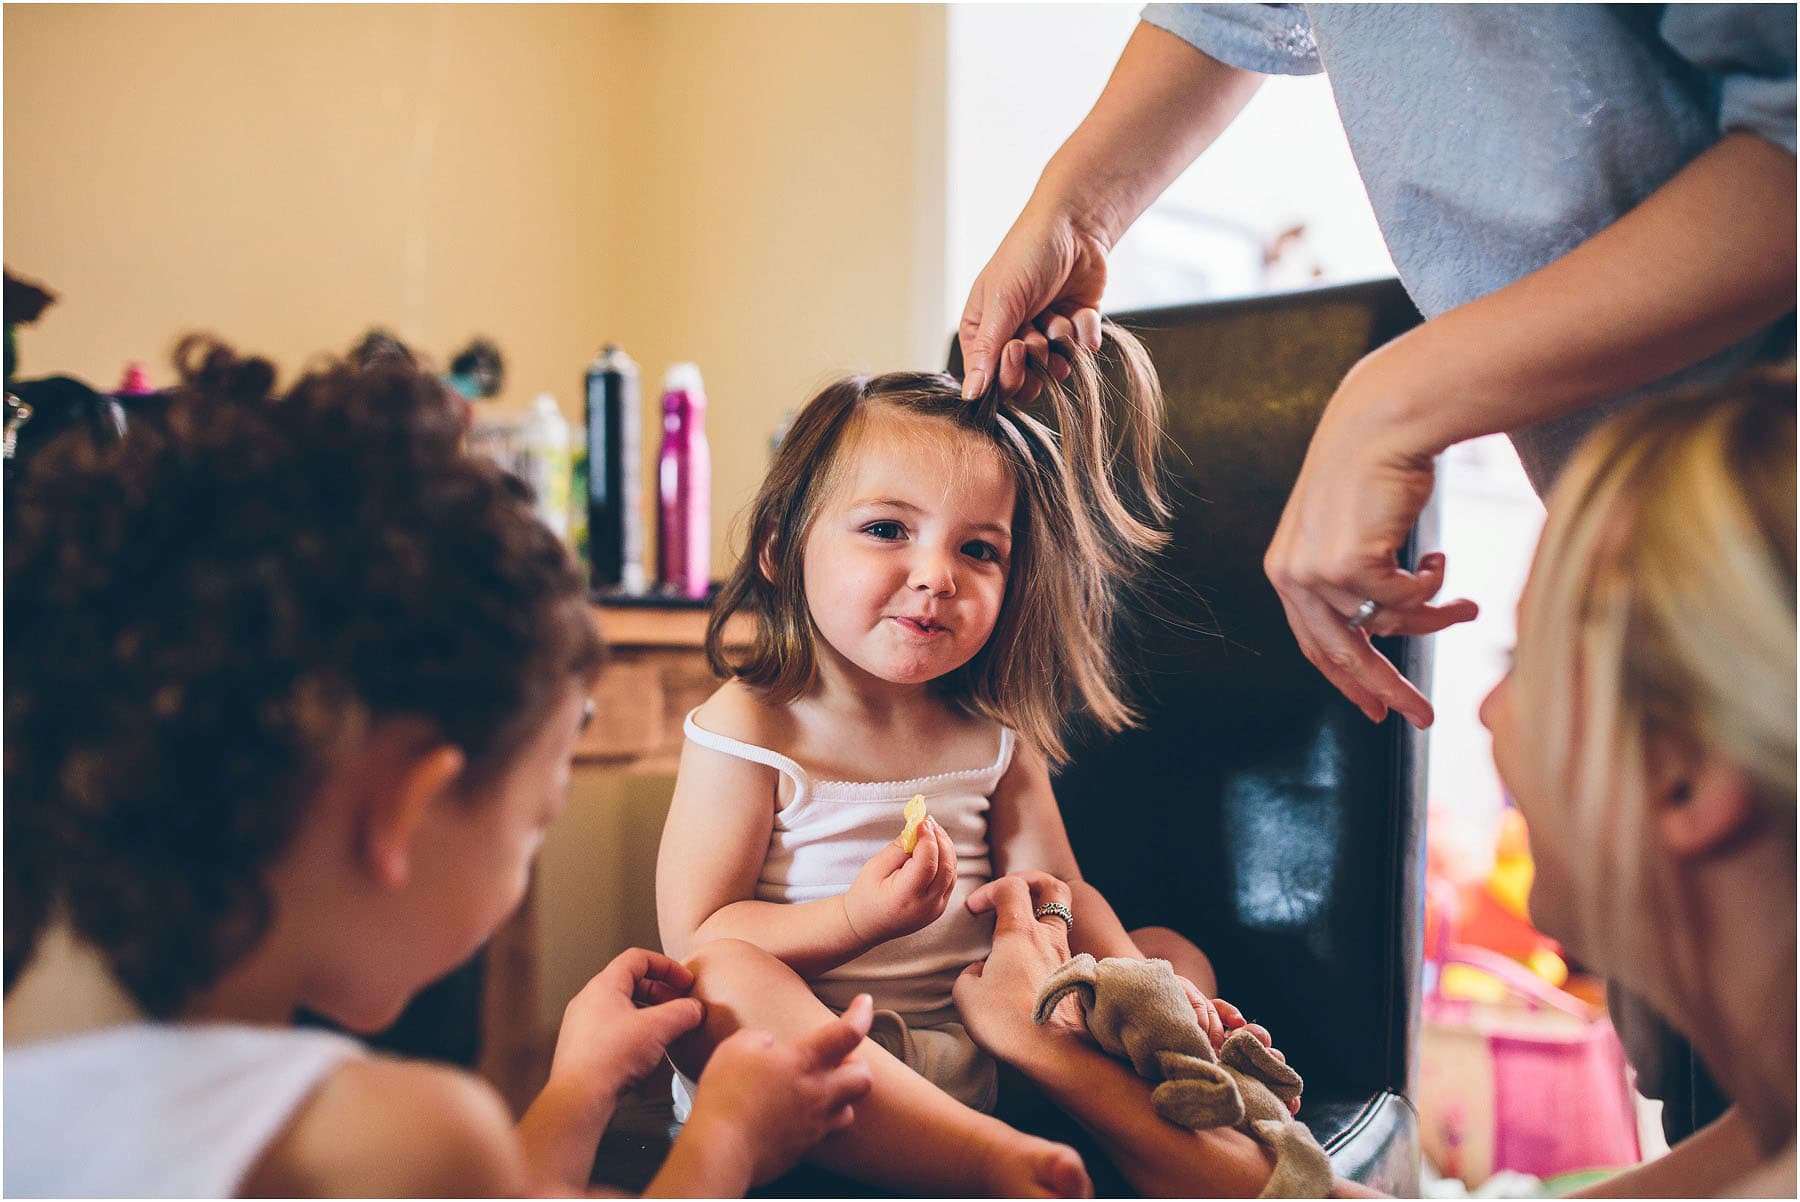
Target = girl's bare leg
(1160,943)
(909,1135)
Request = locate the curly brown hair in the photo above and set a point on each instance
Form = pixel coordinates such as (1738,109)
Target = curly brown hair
(198,616)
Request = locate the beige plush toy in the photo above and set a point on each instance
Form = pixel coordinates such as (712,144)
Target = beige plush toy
(1137,1010)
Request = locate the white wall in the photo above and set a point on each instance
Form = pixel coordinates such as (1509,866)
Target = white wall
(1021,77)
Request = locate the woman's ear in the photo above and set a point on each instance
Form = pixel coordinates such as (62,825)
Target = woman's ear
(1705,807)
(395,809)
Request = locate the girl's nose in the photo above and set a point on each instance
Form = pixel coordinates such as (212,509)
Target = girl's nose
(932,572)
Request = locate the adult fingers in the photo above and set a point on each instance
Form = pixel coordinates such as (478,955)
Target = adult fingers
(1024,891)
(1346,658)
(1013,377)
(1087,327)
(1058,328)
(990,316)
(1363,699)
(1009,898)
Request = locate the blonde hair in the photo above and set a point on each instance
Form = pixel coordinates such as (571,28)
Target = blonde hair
(1660,612)
(1086,519)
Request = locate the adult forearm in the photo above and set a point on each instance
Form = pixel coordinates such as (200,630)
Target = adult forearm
(1164,104)
(1160,1159)
(1704,262)
(809,937)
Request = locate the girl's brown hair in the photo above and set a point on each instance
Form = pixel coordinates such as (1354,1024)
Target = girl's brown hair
(1086,520)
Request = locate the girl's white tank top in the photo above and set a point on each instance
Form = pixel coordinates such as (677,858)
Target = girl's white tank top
(830,829)
(156,1110)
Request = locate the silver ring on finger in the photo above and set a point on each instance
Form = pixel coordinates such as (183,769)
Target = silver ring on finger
(1047,909)
(1364,612)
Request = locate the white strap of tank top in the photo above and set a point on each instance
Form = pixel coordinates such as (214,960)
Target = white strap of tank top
(747,751)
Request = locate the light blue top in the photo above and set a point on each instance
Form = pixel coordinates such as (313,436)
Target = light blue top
(1494,138)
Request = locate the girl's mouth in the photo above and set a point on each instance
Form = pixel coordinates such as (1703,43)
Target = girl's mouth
(919,626)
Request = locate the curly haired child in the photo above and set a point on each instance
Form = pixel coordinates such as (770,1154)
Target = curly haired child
(292,684)
(934,585)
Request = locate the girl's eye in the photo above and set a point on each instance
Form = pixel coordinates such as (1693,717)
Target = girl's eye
(986,552)
(886,531)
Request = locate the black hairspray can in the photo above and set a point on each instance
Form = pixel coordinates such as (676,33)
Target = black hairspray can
(615,496)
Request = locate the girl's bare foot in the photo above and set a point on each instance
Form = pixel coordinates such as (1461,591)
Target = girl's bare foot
(1024,1166)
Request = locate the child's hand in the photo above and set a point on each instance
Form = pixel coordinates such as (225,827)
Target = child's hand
(1233,1018)
(770,1102)
(616,1029)
(896,893)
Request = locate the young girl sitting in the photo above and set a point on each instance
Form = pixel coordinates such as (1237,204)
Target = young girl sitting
(291,690)
(934,588)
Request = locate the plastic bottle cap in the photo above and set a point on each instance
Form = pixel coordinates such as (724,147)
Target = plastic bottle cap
(683,377)
(137,380)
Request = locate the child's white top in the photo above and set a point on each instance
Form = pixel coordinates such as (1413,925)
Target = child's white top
(154,1110)
(830,829)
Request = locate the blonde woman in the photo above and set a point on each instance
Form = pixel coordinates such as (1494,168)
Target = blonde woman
(1647,732)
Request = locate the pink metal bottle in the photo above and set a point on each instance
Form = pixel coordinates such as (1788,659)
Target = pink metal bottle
(684,480)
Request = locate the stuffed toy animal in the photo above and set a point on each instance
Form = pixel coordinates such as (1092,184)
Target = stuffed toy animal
(1137,1010)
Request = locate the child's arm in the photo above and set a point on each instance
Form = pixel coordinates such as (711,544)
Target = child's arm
(613,1034)
(713,848)
(1025,830)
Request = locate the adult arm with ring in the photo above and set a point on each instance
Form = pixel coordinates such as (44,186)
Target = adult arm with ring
(995,1000)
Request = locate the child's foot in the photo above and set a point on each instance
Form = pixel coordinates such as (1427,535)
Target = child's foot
(1029,1167)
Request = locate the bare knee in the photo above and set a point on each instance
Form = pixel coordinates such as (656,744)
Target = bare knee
(1162,943)
(735,981)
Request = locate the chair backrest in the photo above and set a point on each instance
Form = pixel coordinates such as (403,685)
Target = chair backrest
(1255,809)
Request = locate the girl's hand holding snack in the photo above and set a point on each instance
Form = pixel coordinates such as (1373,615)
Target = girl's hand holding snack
(761,1105)
(897,892)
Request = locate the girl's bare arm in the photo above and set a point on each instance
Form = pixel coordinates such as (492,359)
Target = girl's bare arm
(713,847)
(1025,830)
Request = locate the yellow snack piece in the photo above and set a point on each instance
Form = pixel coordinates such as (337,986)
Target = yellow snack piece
(914,813)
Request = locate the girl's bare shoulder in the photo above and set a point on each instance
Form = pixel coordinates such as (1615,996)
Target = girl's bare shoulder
(739,712)
(385,1127)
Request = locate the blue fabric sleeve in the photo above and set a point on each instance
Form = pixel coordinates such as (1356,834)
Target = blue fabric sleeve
(1751,47)
(1275,39)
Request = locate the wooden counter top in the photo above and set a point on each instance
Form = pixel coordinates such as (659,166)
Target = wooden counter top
(655,673)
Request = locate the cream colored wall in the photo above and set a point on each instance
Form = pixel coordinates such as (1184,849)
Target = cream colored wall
(757,188)
(290,175)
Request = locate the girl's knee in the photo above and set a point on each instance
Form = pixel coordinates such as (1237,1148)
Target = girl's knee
(724,966)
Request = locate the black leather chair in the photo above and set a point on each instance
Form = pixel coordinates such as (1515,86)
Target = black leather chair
(1255,810)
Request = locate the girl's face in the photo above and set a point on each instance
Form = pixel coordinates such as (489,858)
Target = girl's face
(906,565)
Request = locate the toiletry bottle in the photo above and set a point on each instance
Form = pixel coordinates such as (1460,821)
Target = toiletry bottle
(548,462)
(684,484)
